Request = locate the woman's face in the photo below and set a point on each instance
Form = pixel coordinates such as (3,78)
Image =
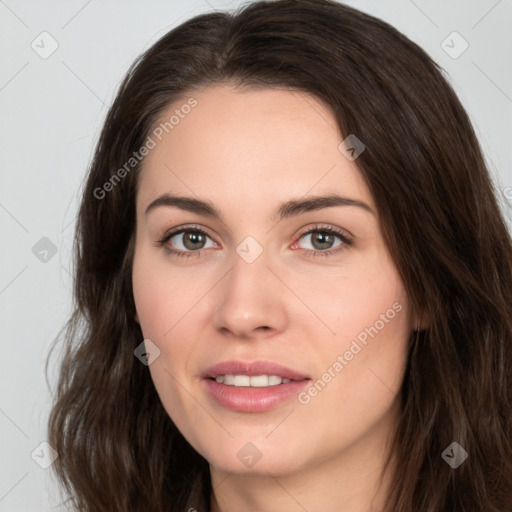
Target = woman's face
(265,282)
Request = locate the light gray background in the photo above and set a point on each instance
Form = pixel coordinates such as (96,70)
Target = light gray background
(51,113)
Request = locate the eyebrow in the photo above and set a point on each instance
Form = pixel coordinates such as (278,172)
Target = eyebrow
(286,210)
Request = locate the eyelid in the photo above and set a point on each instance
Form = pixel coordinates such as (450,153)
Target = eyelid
(326,227)
(180,229)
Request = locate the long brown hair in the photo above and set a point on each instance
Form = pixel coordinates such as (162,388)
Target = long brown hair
(118,449)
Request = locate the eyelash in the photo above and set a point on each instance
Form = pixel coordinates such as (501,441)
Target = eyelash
(347,240)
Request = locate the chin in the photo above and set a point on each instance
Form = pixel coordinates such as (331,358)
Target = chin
(256,456)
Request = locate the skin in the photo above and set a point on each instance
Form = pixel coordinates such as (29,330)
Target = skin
(248,151)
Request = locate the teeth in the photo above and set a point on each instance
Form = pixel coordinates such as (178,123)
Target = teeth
(257,381)
(242,380)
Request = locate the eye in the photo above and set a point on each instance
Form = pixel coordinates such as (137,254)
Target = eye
(325,240)
(188,241)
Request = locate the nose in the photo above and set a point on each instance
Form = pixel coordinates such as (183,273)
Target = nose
(251,300)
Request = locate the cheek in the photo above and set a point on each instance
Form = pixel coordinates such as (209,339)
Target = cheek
(375,331)
(360,368)
(163,300)
(365,291)
(154,303)
(167,304)
(368,314)
(162,295)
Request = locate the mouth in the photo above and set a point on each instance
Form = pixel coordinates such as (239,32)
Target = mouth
(255,381)
(255,386)
(252,373)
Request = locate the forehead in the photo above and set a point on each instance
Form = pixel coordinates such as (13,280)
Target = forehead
(250,145)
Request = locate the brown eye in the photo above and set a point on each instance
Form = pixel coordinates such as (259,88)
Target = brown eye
(325,241)
(322,240)
(193,240)
(186,241)
(189,240)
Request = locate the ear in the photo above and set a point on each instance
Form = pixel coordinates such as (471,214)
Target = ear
(137,318)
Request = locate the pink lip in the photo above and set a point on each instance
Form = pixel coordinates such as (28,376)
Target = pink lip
(249,399)
(252,368)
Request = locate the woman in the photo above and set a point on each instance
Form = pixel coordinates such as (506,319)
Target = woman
(293,280)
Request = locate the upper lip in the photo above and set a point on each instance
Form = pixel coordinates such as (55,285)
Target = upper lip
(253,368)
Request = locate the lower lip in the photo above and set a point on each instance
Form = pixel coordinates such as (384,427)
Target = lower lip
(249,399)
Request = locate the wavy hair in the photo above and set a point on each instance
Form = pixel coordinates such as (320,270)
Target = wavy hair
(440,217)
